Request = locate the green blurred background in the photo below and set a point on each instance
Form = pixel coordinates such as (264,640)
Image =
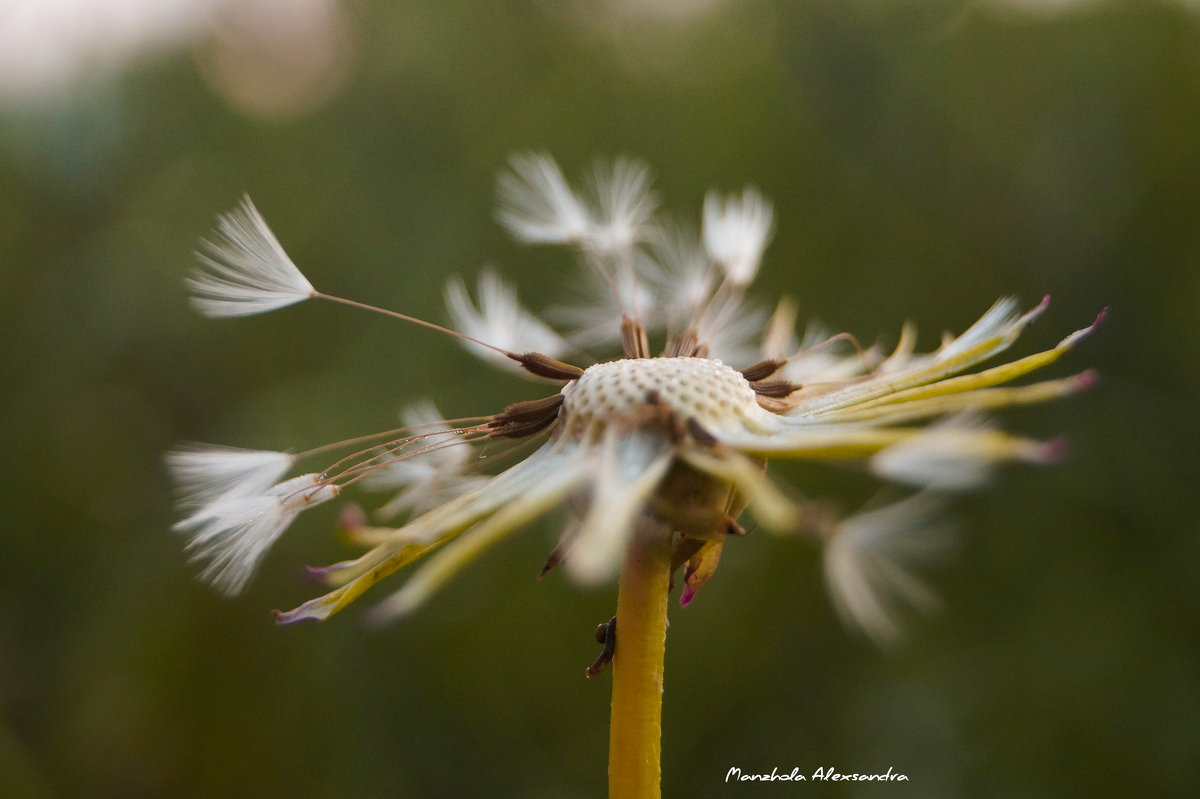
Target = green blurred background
(924,158)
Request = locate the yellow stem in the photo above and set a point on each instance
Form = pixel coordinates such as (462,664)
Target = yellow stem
(636,731)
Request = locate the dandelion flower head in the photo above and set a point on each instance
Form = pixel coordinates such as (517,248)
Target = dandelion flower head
(672,435)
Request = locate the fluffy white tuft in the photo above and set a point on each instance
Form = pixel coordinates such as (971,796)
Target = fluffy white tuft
(500,321)
(736,232)
(537,205)
(624,202)
(244,269)
(870,564)
(205,474)
(233,534)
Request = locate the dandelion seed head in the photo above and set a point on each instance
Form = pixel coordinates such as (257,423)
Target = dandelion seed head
(676,444)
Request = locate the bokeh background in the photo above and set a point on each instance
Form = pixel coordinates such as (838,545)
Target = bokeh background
(924,157)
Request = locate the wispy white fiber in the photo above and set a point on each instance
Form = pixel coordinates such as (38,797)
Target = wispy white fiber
(736,232)
(594,318)
(205,474)
(233,534)
(537,205)
(625,204)
(244,269)
(499,320)
(872,560)
(681,273)
(733,335)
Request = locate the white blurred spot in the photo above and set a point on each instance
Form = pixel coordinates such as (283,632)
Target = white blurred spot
(277,58)
(266,57)
(47,47)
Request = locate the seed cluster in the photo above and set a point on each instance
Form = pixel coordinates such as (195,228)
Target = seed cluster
(705,390)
